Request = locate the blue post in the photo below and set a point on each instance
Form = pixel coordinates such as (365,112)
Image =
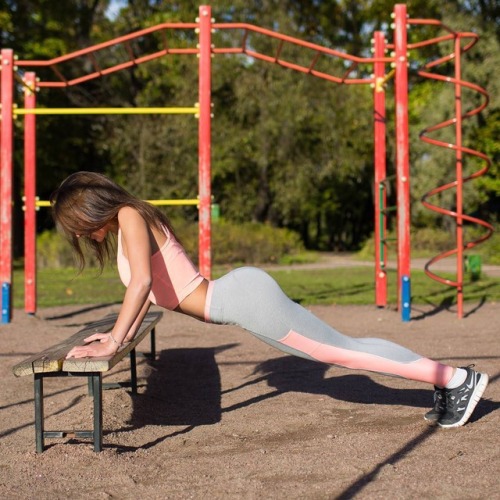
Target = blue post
(5,302)
(405,298)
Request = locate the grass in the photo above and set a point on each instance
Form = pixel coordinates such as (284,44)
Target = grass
(353,285)
(356,286)
(59,287)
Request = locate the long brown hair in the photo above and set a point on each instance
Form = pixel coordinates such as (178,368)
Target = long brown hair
(86,202)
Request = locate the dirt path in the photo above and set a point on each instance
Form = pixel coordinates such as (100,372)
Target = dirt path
(221,415)
(332,260)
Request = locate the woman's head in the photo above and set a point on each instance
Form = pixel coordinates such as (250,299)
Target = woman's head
(86,203)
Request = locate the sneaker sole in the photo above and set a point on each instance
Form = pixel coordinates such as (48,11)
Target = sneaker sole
(433,419)
(474,400)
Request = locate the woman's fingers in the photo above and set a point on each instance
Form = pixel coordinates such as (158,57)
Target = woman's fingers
(76,352)
(92,350)
(103,337)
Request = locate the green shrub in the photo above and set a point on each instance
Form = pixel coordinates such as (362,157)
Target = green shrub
(367,251)
(427,242)
(489,249)
(53,251)
(248,243)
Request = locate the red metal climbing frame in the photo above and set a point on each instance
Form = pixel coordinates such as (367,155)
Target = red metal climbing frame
(354,72)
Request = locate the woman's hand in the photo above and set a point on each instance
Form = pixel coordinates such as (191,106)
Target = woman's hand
(101,337)
(100,344)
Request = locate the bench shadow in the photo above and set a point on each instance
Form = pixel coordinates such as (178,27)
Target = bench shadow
(182,389)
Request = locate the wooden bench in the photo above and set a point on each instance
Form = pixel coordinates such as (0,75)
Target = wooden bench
(53,363)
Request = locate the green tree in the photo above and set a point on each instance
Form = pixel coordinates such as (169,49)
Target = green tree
(288,149)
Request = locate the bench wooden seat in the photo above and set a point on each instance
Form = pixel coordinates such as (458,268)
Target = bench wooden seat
(52,362)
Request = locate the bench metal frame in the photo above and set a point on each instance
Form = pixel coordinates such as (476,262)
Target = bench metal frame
(95,388)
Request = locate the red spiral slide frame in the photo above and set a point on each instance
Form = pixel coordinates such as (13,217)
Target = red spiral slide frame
(469,39)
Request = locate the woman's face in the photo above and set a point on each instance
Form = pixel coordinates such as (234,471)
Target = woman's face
(98,235)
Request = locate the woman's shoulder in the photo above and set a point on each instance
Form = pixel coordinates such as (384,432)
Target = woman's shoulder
(130,215)
(134,226)
(130,220)
(128,211)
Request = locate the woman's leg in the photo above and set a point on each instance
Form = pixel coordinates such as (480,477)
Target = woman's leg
(250,298)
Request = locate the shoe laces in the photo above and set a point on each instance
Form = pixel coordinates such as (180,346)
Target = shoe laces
(440,400)
(449,394)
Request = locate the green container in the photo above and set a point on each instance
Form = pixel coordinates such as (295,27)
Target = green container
(215,211)
(473,265)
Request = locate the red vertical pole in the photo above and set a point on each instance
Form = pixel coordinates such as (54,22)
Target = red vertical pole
(30,195)
(459,177)
(379,120)
(6,169)
(204,133)
(402,161)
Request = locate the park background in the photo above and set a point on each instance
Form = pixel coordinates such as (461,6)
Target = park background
(220,414)
(292,156)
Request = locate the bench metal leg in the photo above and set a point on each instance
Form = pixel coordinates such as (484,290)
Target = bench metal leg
(39,413)
(150,355)
(133,371)
(95,388)
(96,379)
(152,336)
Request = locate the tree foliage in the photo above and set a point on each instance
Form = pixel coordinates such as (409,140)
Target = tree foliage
(288,149)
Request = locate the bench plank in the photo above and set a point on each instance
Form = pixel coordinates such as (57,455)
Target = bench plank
(53,358)
(47,360)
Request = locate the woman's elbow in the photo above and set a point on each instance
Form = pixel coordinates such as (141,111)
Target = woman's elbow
(141,285)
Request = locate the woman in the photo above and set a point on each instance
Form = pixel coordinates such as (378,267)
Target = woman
(155,269)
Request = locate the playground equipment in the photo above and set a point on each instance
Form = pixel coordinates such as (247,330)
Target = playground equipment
(353,74)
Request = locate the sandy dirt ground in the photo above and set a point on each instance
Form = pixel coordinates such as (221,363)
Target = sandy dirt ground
(220,414)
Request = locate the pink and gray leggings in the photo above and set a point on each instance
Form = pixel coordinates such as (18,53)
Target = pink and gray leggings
(250,298)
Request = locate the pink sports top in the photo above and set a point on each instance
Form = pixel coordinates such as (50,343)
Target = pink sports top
(174,275)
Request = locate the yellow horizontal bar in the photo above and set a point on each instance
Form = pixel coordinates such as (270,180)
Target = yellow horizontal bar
(106,111)
(43,203)
(174,202)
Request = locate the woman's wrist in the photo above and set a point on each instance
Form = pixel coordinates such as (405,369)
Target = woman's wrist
(118,344)
(128,338)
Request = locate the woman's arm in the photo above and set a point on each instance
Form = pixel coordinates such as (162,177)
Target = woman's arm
(137,323)
(136,240)
(104,337)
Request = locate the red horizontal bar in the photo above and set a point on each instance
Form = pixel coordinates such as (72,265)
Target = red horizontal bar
(431,41)
(302,43)
(110,43)
(303,69)
(113,69)
(228,50)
